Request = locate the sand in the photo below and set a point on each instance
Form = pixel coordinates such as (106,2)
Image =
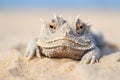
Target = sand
(18,27)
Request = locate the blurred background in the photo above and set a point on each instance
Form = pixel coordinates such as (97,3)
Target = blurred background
(19,19)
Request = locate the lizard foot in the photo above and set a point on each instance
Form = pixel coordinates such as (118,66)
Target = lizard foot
(32,50)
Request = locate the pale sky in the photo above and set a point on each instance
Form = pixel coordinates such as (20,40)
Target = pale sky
(53,4)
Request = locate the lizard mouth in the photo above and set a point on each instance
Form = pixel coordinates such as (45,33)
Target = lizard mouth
(64,42)
(62,39)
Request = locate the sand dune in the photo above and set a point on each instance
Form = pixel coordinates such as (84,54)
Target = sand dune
(16,28)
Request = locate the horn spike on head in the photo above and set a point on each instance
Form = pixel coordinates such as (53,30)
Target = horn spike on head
(41,20)
(78,19)
(70,21)
(60,15)
(78,16)
(70,18)
(55,16)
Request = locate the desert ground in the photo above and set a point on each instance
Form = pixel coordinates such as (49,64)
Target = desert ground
(18,27)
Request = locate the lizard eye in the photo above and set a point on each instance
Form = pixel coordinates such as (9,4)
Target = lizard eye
(51,26)
(81,27)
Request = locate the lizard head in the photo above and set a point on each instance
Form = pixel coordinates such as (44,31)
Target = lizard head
(51,29)
(59,32)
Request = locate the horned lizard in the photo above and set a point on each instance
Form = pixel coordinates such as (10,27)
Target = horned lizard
(60,38)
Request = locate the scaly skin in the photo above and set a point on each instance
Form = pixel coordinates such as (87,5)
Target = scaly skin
(65,39)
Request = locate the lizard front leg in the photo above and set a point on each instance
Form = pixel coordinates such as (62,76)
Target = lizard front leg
(91,56)
(33,49)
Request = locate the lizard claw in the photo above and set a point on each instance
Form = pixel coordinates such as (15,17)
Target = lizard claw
(32,50)
(89,59)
